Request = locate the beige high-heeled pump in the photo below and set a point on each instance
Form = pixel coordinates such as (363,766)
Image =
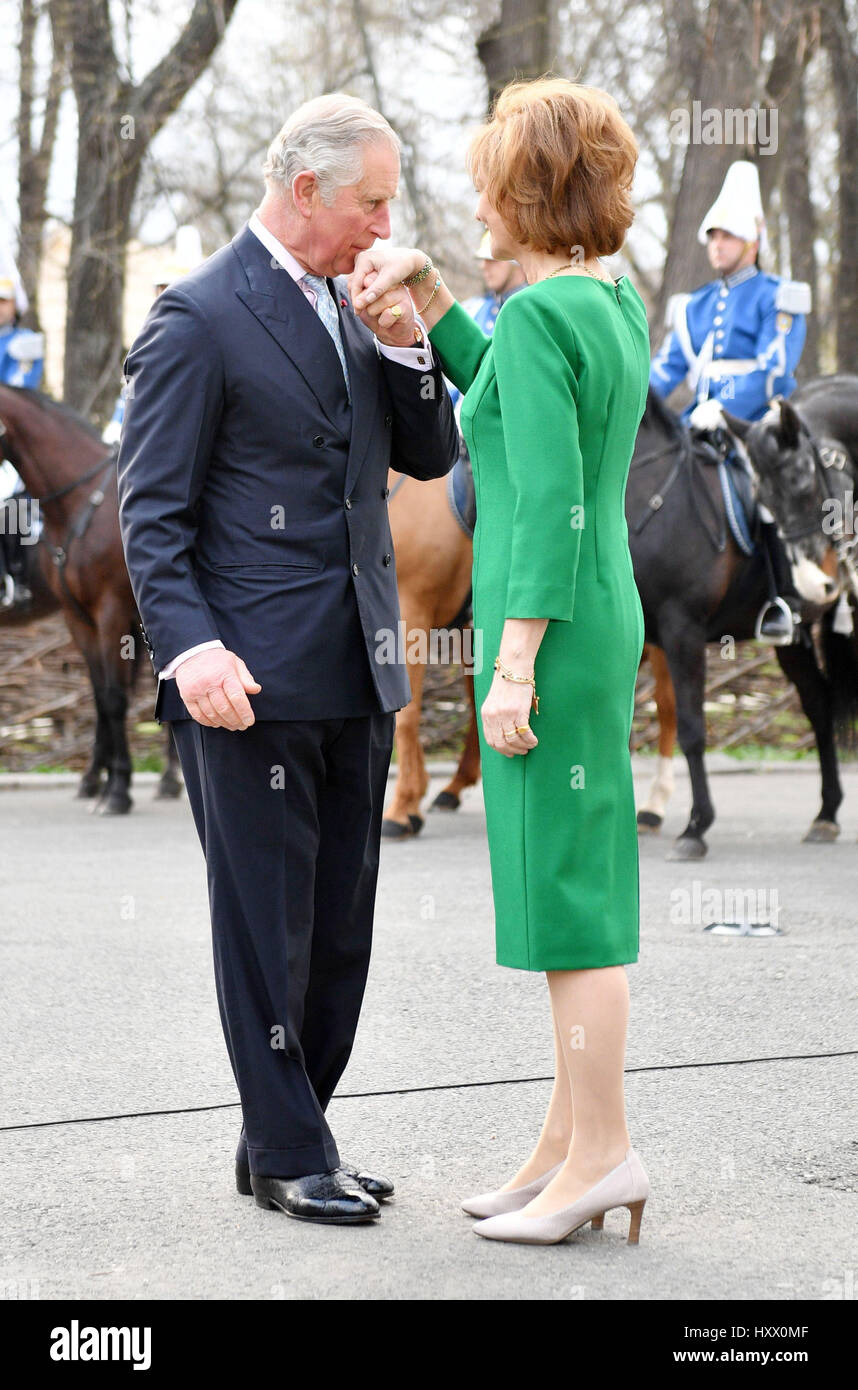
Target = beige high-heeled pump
(499,1203)
(627,1185)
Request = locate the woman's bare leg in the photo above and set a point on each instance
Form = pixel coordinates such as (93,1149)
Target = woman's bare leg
(591,1009)
(552,1145)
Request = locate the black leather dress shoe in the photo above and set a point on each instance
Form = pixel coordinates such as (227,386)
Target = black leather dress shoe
(379,1188)
(332,1198)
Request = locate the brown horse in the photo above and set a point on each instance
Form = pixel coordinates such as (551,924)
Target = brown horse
(78,566)
(433,572)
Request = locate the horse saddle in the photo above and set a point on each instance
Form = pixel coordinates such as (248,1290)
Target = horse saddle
(460,491)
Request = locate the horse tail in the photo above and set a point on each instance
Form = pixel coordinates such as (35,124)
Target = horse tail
(841,666)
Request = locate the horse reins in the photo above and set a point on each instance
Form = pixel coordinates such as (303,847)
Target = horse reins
(685,450)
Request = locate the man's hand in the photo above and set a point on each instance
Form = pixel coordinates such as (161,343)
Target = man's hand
(391,316)
(213,685)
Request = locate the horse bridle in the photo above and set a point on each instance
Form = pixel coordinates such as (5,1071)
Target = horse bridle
(838,459)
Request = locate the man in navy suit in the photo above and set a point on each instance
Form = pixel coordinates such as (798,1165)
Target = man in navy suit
(261,419)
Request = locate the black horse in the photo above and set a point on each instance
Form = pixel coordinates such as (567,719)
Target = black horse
(697,586)
(804,454)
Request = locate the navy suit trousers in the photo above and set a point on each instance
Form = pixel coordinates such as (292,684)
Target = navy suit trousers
(289,817)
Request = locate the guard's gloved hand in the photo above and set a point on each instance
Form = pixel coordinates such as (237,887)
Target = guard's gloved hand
(706,417)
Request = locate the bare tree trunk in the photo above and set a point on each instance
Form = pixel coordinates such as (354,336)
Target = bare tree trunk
(789,169)
(725,78)
(801,218)
(117,122)
(34,161)
(844,73)
(516,45)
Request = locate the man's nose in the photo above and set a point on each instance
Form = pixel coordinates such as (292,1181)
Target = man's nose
(381,224)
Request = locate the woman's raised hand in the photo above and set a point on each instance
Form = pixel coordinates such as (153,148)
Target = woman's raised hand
(380,269)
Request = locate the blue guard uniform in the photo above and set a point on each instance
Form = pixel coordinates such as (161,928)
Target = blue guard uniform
(736,340)
(21,357)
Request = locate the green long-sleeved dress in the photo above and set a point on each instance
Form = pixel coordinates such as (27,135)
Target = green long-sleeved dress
(552,405)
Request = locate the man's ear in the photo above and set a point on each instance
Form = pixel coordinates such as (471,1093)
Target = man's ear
(305,189)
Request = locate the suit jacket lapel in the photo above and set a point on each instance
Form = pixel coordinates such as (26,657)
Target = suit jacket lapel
(281,307)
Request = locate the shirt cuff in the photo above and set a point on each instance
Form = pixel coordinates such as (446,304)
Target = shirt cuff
(170,669)
(419,357)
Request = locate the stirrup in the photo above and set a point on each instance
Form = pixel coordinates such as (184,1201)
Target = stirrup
(784,638)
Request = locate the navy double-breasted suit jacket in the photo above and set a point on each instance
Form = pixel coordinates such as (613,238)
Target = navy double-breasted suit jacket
(253,497)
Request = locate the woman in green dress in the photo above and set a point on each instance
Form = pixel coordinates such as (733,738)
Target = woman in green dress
(552,405)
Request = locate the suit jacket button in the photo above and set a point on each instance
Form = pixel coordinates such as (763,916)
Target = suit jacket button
(355,569)
(385,492)
(348,504)
(388,420)
(387,559)
(318,441)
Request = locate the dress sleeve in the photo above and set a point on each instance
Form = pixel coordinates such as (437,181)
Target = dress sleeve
(461,345)
(534,350)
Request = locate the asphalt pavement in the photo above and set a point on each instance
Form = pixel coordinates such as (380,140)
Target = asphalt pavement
(119,1115)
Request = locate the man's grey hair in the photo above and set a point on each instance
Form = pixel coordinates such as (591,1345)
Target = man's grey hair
(326,135)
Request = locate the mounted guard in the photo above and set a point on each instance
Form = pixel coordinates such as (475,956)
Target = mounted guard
(736,342)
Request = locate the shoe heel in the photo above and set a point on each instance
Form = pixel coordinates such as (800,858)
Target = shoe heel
(598,1222)
(635,1214)
(262,1202)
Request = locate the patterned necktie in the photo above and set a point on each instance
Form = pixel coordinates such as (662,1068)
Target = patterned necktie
(327,311)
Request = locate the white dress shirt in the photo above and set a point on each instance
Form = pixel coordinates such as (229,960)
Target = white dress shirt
(417,357)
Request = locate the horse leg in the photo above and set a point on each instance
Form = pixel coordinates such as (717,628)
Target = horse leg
(402,818)
(115,799)
(684,644)
(86,641)
(651,814)
(90,783)
(798,664)
(170,785)
(467,774)
(118,672)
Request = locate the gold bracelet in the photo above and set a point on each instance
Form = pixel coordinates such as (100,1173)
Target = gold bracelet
(422,311)
(509,675)
(419,275)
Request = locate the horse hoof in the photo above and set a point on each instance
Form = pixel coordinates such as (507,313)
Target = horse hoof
(821,832)
(395,830)
(649,823)
(113,806)
(169,789)
(687,847)
(445,801)
(416,823)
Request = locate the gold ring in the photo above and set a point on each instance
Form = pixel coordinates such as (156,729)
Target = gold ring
(509,733)
(522,728)
(396,310)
